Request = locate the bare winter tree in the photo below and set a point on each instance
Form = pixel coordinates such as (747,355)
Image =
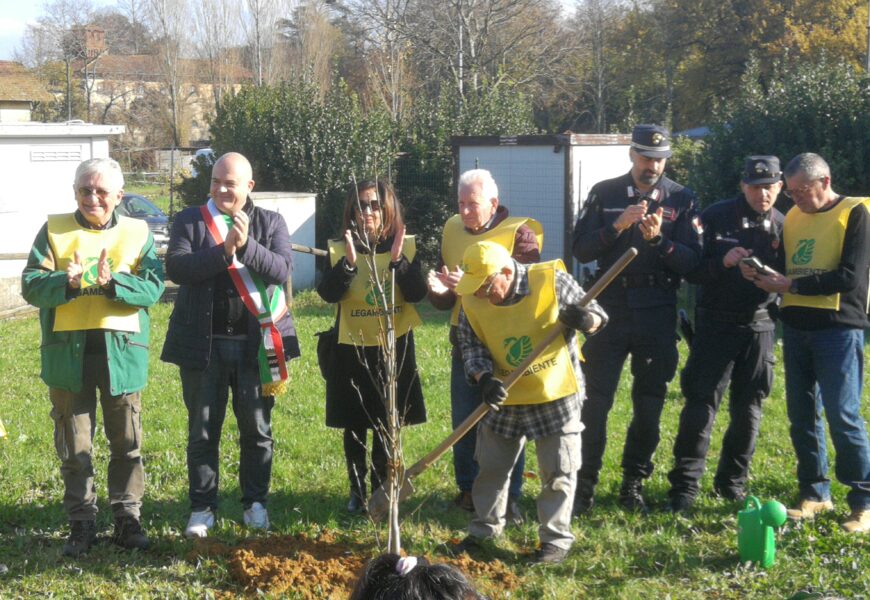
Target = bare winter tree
(169,21)
(52,39)
(475,42)
(216,42)
(311,43)
(261,17)
(387,52)
(592,28)
(136,12)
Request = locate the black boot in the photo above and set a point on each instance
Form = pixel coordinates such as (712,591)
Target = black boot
(129,534)
(82,535)
(357,502)
(584,497)
(630,497)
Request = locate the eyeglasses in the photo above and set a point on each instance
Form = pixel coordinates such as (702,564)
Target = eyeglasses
(86,192)
(366,208)
(803,190)
(489,282)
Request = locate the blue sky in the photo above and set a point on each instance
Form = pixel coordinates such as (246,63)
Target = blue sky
(14,16)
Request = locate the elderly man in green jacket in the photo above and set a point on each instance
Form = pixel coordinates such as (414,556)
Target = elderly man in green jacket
(93,274)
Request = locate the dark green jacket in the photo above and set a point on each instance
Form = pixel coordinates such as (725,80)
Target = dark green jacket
(63,351)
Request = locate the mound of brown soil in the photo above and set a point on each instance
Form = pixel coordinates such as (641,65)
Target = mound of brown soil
(321,567)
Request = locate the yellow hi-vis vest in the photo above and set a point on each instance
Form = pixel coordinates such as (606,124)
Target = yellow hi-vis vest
(510,332)
(456,238)
(361,311)
(123,243)
(814,245)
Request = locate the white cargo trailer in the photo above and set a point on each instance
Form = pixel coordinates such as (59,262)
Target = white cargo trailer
(546,177)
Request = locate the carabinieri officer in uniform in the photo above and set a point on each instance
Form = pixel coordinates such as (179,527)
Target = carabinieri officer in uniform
(645,210)
(734,337)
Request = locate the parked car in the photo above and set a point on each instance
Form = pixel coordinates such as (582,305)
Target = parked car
(139,207)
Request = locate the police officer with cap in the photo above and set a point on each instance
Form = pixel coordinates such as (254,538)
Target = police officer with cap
(645,210)
(734,338)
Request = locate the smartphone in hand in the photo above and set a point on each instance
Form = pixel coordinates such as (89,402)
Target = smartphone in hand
(759,267)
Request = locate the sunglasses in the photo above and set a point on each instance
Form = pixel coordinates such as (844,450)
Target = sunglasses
(86,192)
(367,208)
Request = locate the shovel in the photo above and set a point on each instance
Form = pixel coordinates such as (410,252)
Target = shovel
(379,503)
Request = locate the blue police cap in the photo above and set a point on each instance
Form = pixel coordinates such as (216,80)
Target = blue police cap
(761,169)
(652,141)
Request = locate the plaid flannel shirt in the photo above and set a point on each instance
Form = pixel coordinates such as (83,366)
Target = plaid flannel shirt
(531,420)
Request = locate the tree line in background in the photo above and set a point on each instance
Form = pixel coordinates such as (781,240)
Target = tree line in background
(330,89)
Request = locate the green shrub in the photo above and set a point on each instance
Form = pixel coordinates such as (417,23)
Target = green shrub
(822,108)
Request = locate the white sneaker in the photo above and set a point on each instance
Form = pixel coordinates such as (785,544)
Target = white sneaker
(257,517)
(199,523)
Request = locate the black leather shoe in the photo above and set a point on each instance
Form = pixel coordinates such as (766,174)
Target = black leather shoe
(356,505)
(129,534)
(82,535)
(734,494)
(549,554)
(465,501)
(468,545)
(584,497)
(679,505)
(630,497)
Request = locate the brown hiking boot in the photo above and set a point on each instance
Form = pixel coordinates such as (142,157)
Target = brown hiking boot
(858,521)
(808,509)
(549,554)
(464,501)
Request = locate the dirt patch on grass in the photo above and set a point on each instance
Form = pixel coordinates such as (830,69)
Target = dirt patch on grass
(322,567)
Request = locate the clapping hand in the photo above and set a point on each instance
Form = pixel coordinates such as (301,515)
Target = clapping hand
(350,249)
(104,270)
(398,242)
(74,271)
(443,281)
(238,235)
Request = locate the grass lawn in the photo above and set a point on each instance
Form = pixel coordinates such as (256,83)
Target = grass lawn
(616,555)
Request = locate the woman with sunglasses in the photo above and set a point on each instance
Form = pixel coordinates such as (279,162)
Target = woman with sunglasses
(372,231)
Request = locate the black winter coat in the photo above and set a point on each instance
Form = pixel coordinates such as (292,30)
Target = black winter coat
(345,406)
(194,261)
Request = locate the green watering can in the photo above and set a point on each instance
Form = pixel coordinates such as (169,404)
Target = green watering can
(755,539)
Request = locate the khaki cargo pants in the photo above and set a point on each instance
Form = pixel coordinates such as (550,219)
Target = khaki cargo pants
(74,418)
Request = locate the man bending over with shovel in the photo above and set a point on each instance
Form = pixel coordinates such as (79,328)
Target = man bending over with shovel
(507,308)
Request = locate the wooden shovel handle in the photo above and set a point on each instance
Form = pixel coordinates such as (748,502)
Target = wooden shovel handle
(472,419)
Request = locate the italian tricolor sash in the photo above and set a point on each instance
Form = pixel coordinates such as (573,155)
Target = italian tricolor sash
(267,311)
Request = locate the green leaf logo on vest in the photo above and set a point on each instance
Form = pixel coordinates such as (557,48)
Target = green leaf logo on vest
(373,297)
(91,267)
(517,349)
(804,253)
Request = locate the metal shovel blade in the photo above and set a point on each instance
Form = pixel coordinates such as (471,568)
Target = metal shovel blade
(379,503)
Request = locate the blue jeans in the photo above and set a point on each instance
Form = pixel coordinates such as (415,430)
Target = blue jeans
(206,393)
(464,398)
(824,370)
